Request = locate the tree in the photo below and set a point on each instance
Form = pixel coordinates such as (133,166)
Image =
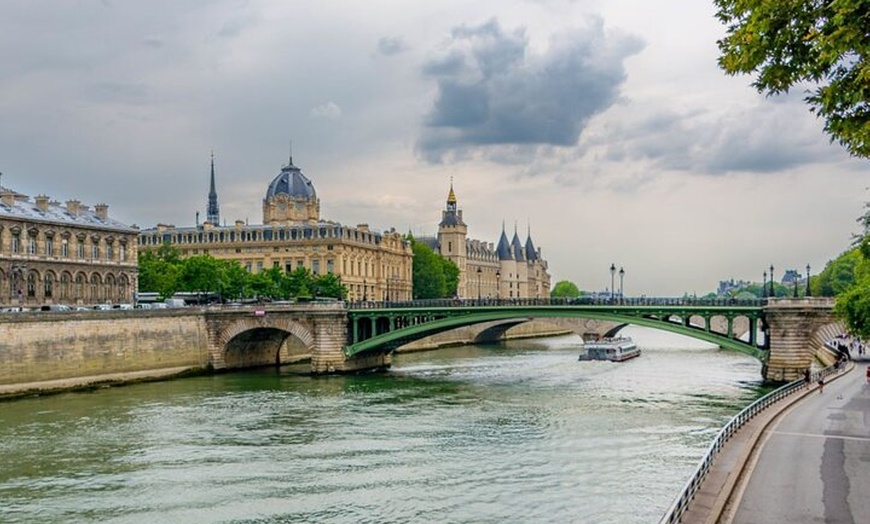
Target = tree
(565,289)
(428,277)
(838,275)
(822,42)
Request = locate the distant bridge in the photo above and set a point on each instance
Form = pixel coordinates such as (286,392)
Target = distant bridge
(793,330)
(386,326)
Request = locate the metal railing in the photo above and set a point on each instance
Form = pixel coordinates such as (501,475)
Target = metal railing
(681,504)
(581,301)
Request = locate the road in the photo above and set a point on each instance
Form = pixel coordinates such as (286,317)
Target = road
(814,464)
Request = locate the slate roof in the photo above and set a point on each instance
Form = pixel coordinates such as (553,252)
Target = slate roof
(26,209)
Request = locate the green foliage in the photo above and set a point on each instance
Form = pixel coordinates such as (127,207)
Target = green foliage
(165,272)
(837,276)
(565,289)
(823,42)
(853,306)
(433,275)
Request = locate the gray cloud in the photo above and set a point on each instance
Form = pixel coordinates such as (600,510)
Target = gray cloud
(493,89)
(391,45)
(764,137)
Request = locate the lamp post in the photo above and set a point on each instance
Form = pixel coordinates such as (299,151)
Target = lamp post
(764,286)
(497,284)
(479,271)
(809,294)
(612,276)
(772,293)
(365,298)
(621,276)
(795,288)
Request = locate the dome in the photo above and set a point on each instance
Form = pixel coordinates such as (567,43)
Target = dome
(291,182)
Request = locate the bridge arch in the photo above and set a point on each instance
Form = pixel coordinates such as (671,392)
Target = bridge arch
(262,341)
(420,323)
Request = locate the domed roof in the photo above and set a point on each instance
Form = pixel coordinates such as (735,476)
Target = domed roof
(290,181)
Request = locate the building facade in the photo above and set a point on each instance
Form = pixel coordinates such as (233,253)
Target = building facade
(372,265)
(511,269)
(63,254)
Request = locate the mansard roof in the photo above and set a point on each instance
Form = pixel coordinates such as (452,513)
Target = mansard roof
(74,214)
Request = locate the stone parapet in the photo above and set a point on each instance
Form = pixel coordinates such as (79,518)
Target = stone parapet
(796,328)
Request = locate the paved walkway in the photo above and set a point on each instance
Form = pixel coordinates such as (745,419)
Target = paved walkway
(712,503)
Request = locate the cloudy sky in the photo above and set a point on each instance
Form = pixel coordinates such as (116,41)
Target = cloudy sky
(604,126)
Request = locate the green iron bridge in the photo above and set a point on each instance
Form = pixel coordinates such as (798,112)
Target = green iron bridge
(381,327)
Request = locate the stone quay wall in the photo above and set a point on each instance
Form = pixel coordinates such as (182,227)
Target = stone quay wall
(799,329)
(43,351)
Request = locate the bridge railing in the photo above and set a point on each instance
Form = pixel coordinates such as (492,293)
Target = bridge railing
(681,504)
(581,301)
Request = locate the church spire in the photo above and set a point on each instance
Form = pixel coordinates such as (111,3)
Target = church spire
(213,213)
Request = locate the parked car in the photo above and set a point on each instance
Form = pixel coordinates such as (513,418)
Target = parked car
(174,302)
(123,306)
(55,307)
(103,307)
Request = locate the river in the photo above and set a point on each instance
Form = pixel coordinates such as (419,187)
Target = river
(520,432)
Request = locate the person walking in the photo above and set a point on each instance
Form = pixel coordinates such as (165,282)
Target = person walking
(807,376)
(868,374)
(821,383)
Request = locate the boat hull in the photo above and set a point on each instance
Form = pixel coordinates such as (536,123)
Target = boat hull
(613,350)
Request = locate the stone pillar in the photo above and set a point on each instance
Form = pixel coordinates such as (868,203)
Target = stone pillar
(793,343)
(330,337)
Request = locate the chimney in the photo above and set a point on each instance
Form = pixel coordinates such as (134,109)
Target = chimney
(42,203)
(73,207)
(102,211)
(7,197)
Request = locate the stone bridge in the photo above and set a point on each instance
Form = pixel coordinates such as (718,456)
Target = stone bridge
(84,347)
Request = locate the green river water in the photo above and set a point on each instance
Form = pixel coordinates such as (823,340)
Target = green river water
(520,432)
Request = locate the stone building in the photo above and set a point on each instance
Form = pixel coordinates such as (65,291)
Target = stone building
(512,269)
(372,265)
(63,254)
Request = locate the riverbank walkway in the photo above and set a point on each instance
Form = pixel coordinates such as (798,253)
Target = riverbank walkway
(740,488)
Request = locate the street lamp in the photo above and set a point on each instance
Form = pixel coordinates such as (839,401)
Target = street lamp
(612,275)
(497,284)
(621,276)
(795,288)
(772,293)
(365,298)
(808,281)
(479,271)
(764,286)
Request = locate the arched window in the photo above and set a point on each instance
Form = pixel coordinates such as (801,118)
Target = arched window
(48,283)
(64,286)
(31,285)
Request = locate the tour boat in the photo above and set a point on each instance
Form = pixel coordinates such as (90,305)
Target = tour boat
(614,349)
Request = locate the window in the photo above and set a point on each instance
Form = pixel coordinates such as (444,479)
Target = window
(259,266)
(16,242)
(315,266)
(49,246)
(110,252)
(95,252)
(80,250)
(330,266)
(122,252)
(31,245)
(64,248)
(49,285)
(31,285)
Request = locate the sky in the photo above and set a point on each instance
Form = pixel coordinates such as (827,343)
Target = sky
(605,128)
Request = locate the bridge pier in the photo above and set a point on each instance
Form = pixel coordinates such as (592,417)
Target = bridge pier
(798,330)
